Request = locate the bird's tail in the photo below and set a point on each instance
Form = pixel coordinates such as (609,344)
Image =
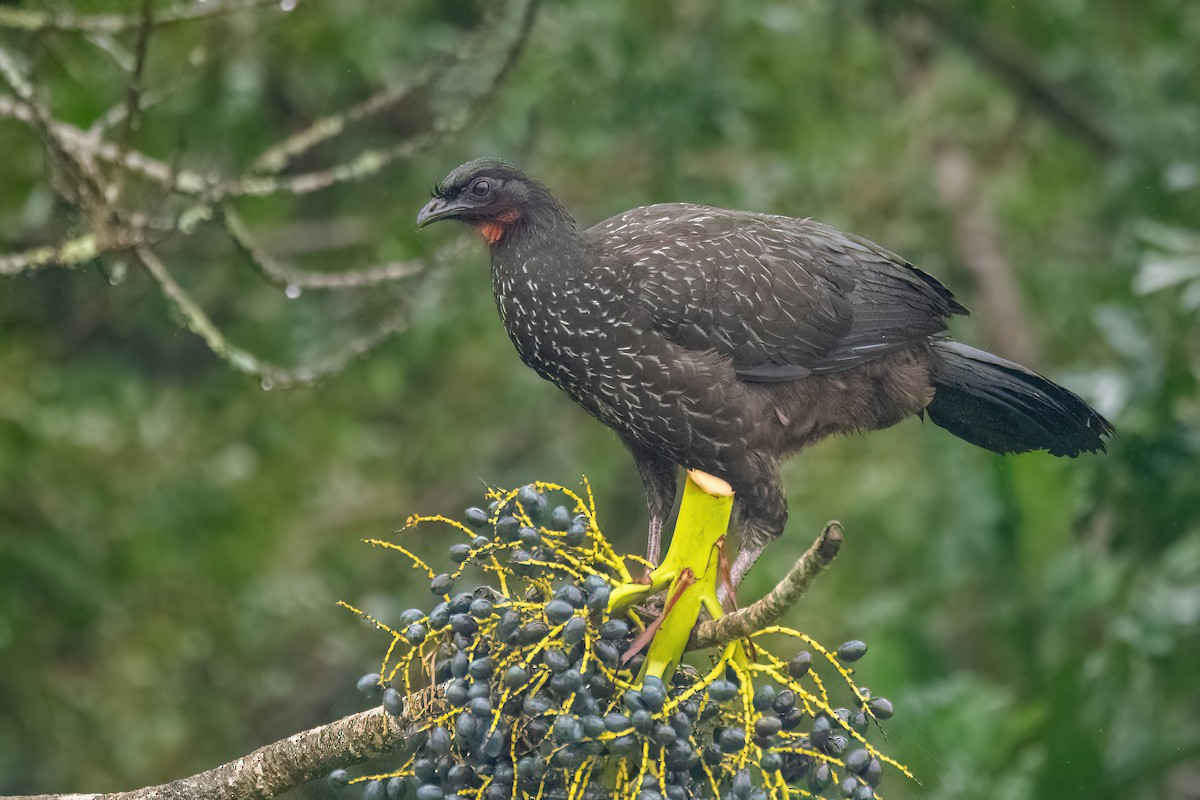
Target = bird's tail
(1006,408)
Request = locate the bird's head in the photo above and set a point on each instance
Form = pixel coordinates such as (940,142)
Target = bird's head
(493,196)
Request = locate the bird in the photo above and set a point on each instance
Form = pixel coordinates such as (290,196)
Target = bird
(728,341)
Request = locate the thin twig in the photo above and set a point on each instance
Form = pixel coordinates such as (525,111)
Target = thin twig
(371,162)
(117,113)
(286,276)
(338,360)
(84,145)
(40,119)
(764,612)
(196,320)
(278,156)
(109,45)
(273,376)
(69,253)
(133,97)
(275,768)
(40,21)
(366,164)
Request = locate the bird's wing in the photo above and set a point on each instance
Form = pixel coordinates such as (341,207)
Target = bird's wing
(784,298)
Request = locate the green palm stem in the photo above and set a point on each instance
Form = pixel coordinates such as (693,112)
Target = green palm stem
(689,573)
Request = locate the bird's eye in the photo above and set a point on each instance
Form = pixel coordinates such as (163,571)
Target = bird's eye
(481,188)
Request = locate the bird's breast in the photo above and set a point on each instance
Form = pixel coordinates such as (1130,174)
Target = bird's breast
(588,336)
(561,338)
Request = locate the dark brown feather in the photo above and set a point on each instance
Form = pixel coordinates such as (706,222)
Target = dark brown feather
(726,341)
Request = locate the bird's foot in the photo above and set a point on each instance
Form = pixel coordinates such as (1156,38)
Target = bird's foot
(689,573)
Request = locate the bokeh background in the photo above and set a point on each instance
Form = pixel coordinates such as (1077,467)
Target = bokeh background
(173,537)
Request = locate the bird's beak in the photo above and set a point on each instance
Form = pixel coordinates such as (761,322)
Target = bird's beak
(436,209)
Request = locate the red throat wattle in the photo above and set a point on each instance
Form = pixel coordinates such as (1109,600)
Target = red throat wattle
(493,230)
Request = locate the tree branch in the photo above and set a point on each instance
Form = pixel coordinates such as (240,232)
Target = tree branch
(369,162)
(94,169)
(117,113)
(83,144)
(764,612)
(133,97)
(286,276)
(40,21)
(69,253)
(273,376)
(276,157)
(275,768)
(82,172)
(109,45)
(196,320)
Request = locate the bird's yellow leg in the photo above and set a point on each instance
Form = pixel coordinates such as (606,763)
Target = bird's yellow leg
(689,572)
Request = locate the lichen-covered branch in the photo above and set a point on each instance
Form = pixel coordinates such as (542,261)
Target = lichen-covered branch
(262,181)
(196,320)
(70,253)
(286,276)
(272,375)
(37,21)
(276,157)
(84,183)
(280,154)
(91,166)
(92,146)
(275,768)
(446,121)
(764,612)
(133,97)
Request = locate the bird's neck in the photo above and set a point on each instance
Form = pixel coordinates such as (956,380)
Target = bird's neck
(543,245)
(537,268)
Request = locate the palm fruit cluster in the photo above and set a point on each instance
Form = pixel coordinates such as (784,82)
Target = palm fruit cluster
(524,687)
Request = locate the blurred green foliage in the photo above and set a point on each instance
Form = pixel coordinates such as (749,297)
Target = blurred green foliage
(173,538)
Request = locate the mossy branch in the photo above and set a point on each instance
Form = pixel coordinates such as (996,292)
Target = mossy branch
(93,168)
(38,21)
(275,768)
(764,612)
